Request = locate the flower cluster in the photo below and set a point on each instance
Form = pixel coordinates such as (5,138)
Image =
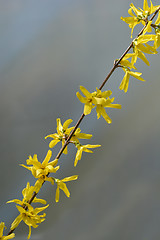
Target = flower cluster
(141,44)
(29,216)
(41,170)
(139,15)
(63,133)
(97,99)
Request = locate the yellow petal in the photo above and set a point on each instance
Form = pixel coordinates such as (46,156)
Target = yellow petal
(2,226)
(158,19)
(29,168)
(59,126)
(87,108)
(143,58)
(53,163)
(47,158)
(29,234)
(148,28)
(125,82)
(78,156)
(106,117)
(16,222)
(64,188)
(137,12)
(128,20)
(38,200)
(130,12)
(17,201)
(10,236)
(137,75)
(49,179)
(53,143)
(145,6)
(57,195)
(85,91)
(65,151)
(145,38)
(38,185)
(40,209)
(83,135)
(71,178)
(126,63)
(67,123)
(118,106)
(157,42)
(151,48)
(92,146)
(81,98)
(100,101)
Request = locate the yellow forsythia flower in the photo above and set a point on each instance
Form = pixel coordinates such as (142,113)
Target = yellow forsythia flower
(30,217)
(139,48)
(88,100)
(97,99)
(83,148)
(80,135)
(27,194)
(10,236)
(139,42)
(103,101)
(61,185)
(41,170)
(140,15)
(63,133)
(126,63)
(125,82)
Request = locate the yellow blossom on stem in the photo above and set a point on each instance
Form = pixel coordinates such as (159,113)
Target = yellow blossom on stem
(138,44)
(139,48)
(125,82)
(126,63)
(88,100)
(41,170)
(103,101)
(80,135)
(61,185)
(29,216)
(27,194)
(10,236)
(97,99)
(139,15)
(131,21)
(62,133)
(83,148)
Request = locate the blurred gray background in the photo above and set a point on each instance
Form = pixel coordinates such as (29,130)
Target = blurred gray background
(47,50)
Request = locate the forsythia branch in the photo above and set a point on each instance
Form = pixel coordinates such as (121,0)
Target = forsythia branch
(97,99)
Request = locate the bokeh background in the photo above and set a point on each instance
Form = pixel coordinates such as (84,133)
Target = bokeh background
(47,50)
